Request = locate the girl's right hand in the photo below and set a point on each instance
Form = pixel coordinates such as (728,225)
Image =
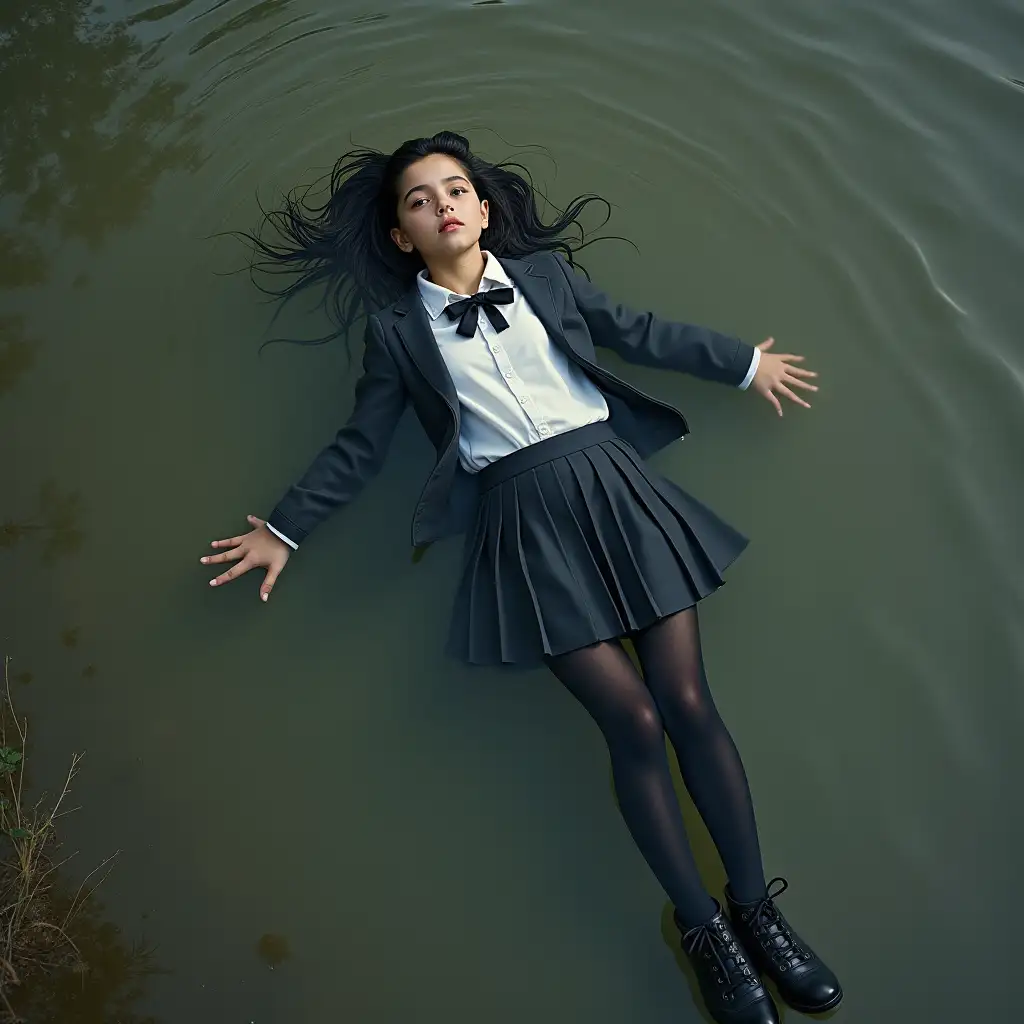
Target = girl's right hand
(258,548)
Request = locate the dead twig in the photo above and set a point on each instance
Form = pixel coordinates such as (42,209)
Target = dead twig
(27,876)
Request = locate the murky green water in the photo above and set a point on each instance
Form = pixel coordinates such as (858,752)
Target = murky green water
(321,819)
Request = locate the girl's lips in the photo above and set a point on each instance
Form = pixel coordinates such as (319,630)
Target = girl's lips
(450,226)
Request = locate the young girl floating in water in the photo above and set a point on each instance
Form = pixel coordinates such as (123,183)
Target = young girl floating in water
(476,316)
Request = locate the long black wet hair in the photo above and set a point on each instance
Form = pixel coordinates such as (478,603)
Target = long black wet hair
(344,244)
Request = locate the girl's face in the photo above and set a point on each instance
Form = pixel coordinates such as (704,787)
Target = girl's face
(439,213)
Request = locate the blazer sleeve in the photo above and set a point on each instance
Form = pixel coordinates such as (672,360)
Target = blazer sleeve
(645,339)
(354,457)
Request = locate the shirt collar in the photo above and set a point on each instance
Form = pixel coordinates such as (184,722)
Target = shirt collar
(435,298)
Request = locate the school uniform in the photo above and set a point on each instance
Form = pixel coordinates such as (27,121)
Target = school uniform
(570,538)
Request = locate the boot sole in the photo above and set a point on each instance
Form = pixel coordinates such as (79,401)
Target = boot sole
(823,1008)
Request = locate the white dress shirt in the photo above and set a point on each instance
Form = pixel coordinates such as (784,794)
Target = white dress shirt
(515,387)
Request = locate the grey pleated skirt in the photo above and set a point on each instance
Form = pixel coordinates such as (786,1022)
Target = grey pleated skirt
(577,540)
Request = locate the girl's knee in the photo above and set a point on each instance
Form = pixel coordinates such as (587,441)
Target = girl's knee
(688,701)
(637,727)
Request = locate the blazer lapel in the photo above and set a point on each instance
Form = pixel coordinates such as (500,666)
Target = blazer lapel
(418,339)
(539,291)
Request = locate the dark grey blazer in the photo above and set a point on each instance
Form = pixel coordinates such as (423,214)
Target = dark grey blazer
(402,363)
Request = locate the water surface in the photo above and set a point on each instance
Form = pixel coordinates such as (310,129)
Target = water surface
(323,820)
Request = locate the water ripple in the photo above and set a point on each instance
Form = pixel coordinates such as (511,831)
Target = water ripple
(255,15)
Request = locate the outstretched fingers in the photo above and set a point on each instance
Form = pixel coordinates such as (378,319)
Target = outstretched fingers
(233,573)
(770,395)
(235,541)
(782,389)
(796,382)
(225,556)
(227,542)
(800,371)
(268,582)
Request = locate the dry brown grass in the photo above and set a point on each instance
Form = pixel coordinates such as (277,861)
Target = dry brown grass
(35,918)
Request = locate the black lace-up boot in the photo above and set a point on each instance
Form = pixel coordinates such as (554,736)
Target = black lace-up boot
(802,978)
(730,985)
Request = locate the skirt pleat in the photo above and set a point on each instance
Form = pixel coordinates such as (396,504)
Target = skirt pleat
(605,549)
(576,540)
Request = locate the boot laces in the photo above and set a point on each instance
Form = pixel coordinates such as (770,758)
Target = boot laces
(773,931)
(713,941)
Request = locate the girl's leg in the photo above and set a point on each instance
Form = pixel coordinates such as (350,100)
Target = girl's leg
(670,654)
(606,683)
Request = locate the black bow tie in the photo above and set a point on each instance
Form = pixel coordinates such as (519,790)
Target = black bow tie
(469,310)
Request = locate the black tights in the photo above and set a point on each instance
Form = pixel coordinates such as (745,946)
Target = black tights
(634,713)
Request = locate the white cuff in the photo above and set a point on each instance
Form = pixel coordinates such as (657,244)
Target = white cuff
(752,369)
(278,533)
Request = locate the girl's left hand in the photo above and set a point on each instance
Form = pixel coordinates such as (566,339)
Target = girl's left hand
(775,374)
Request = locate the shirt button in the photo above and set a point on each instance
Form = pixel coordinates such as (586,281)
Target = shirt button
(523,400)
(495,348)
(509,373)
(544,429)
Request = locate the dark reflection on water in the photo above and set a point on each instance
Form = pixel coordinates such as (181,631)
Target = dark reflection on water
(87,131)
(83,139)
(54,524)
(84,136)
(17,351)
(22,261)
(104,987)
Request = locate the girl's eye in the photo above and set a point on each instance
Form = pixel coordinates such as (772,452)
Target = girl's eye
(457,190)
